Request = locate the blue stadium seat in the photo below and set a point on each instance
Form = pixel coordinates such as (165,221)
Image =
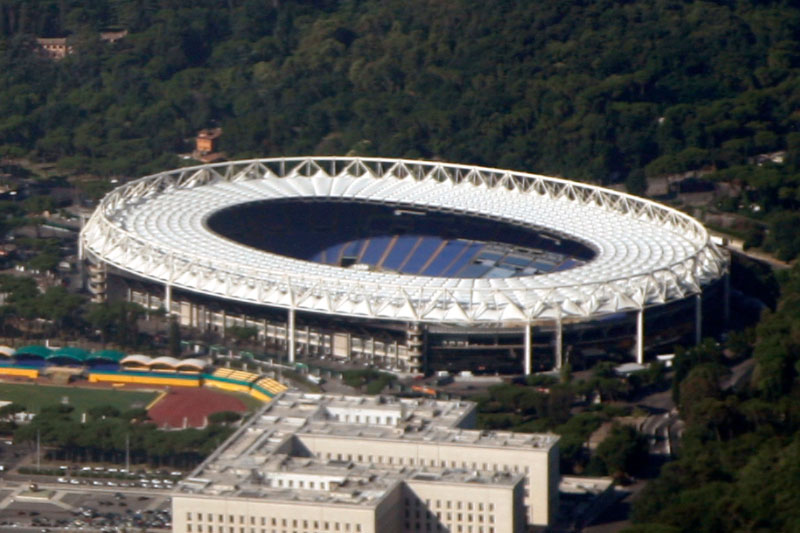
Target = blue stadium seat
(475,271)
(463,260)
(446,256)
(421,254)
(375,249)
(332,254)
(400,251)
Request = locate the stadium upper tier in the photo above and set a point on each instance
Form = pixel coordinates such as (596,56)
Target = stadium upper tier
(644,253)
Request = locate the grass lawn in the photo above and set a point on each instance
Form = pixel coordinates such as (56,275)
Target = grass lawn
(34,397)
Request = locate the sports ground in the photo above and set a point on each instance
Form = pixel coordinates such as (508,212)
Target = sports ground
(35,396)
(185,407)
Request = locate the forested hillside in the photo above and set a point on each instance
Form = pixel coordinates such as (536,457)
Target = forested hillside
(602,91)
(740,455)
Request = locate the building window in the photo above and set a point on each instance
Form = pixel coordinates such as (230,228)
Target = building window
(188,516)
(188,528)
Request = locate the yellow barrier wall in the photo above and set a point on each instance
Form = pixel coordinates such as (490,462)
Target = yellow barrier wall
(144,380)
(31,373)
(227,386)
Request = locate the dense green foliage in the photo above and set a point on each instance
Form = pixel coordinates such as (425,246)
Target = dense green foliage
(106,435)
(740,454)
(591,90)
(368,380)
(542,404)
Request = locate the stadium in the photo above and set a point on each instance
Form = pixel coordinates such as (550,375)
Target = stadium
(411,265)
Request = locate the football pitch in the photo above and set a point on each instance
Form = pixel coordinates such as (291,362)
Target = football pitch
(35,396)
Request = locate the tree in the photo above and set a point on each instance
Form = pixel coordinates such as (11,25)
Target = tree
(8,411)
(224,417)
(242,333)
(61,307)
(622,452)
(116,321)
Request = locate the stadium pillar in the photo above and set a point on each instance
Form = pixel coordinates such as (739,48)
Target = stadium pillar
(698,318)
(640,336)
(527,351)
(559,344)
(290,335)
(168,298)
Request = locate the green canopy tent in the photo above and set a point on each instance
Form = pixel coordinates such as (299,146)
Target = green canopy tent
(34,350)
(106,356)
(69,354)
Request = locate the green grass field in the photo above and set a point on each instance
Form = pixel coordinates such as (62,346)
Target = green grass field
(34,397)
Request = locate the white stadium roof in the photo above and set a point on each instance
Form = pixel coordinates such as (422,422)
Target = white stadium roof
(646,253)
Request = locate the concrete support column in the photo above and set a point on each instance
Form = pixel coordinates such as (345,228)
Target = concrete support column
(559,344)
(640,336)
(290,335)
(527,352)
(698,318)
(168,298)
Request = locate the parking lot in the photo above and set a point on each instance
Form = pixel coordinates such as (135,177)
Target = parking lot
(84,508)
(69,497)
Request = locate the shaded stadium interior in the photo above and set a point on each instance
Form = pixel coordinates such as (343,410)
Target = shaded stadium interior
(397,238)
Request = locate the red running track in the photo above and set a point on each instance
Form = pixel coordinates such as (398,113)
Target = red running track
(190,407)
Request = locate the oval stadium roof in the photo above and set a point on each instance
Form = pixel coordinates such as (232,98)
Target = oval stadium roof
(647,253)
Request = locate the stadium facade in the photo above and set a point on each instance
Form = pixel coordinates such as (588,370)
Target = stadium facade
(416,265)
